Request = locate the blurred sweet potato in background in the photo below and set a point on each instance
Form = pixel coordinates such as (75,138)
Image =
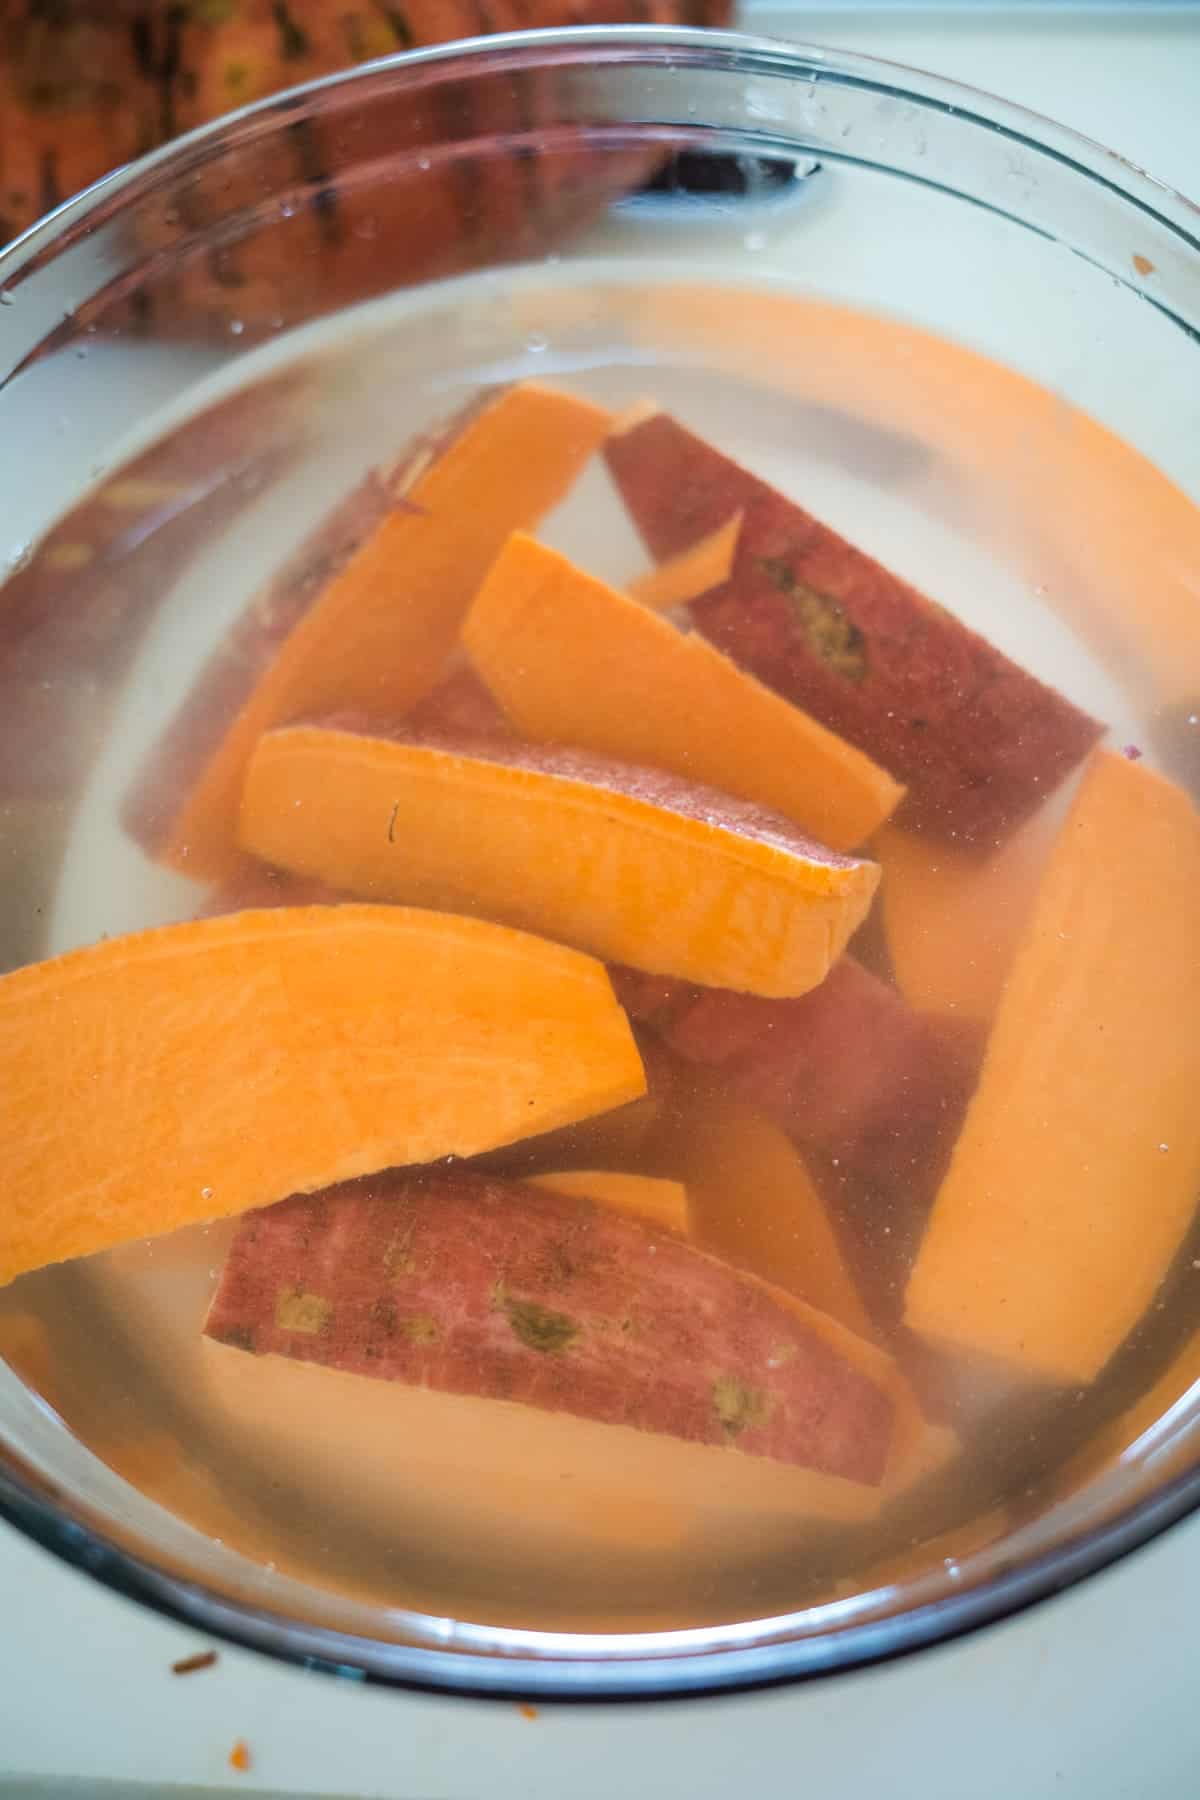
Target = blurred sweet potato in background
(86,85)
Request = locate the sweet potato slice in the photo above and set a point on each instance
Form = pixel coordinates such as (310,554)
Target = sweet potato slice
(847,1068)
(368,620)
(751,1200)
(979,741)
(635,864)
(1076,1173)
(466,1285)
(573,661)
(953,918)
(654,1199)
(678,579)
(872,1092)
(197,1070)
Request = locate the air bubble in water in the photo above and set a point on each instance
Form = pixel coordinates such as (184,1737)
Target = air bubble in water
(7,297)
(237,327)
(536,342)
(755,240)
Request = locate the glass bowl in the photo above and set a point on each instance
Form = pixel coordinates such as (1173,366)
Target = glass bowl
(965,331)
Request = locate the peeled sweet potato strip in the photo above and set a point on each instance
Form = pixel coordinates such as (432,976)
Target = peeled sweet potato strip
(631,863)
(572,661)
(678,579)
(953,918)
(377,633)
(654,1199)
(198,1070)
(1076,1172)
(752,1201)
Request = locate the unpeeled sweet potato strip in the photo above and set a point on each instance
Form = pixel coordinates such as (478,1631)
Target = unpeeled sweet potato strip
(468,1285)
(573,661)
(847,1068)
(953,919)
(979,741)
(1075,1175)
(376,635)
(631,863)
(194,1071)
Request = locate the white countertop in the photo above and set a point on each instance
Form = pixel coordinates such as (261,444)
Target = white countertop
(1089,1695)
(1129,79)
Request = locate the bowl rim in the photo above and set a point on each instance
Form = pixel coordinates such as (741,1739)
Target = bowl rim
(748,52)
(62,1524)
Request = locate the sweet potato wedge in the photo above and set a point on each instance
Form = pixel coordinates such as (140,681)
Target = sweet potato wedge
(978,741)
(847,1068)
(1075,1176)
(635,864)
(751,1200)
(573,661)
(871,1092)
(366,614)
(466,1285)
(198,1070)
(952,919)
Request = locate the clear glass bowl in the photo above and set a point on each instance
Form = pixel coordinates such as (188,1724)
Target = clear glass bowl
(966,330)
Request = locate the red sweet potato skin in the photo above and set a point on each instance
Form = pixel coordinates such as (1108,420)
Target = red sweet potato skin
(979,741)
(466,1284)
(872,1092)
(847,1068)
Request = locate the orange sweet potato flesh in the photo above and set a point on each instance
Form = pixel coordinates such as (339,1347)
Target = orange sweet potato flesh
(953,918)
(631,863)
(872,1092)
(197,1070)
(653,1199)
(703,565)
(571,660)
(407,555)
(1075,1176)
(752,1201)
(465,1284)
